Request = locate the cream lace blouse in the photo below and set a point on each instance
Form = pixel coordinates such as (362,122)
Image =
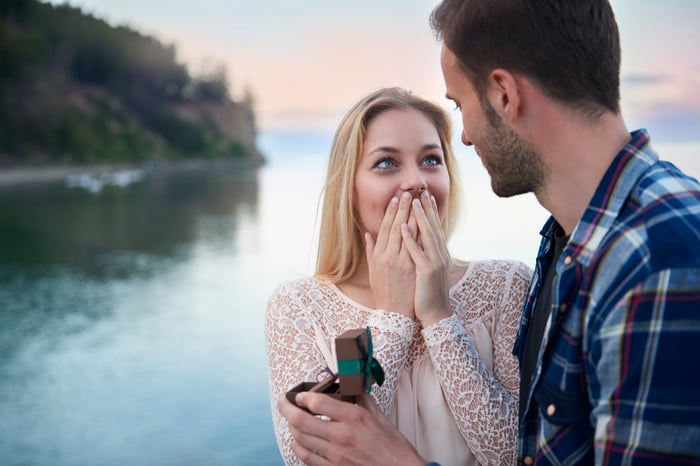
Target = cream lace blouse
(451,388)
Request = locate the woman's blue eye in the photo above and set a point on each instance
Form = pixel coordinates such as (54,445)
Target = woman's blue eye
(384,164)
(432,160)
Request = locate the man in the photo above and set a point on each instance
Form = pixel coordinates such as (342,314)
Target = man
(612,325)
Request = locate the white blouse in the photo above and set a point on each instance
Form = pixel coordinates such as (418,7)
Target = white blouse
(451,388)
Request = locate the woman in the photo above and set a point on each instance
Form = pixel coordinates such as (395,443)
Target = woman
(443,329)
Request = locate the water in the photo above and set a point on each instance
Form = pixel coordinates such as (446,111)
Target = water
(131,318)
(130,323)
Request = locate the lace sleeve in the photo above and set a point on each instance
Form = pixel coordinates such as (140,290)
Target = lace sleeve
(505,365)
(292,357)
(484,404)
(391,336)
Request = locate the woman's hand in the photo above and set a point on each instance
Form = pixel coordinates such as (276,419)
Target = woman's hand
(392,275)
(429,253)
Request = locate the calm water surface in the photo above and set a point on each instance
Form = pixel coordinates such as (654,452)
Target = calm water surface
(131,319)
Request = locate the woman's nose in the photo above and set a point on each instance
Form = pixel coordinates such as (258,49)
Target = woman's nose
(414,181)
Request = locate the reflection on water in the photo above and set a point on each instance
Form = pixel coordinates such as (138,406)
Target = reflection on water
(51,224)
(128,332)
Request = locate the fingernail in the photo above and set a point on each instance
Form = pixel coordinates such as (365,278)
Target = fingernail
(425,195)
(417,204)
(433,198)
(300,397)
(394,201)
(406,196)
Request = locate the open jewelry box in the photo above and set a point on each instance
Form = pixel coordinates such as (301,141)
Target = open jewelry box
(357,369)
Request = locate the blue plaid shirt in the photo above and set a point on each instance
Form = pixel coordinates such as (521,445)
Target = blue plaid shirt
(618,375)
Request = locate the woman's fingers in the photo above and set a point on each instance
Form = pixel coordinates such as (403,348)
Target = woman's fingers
(402,215)
(385,228)
(429,226)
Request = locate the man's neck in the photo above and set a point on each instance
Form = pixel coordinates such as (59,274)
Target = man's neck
(577,154)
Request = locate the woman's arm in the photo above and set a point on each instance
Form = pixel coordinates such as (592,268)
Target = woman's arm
(292,356)
(292,322)
(392,334)
(484,403)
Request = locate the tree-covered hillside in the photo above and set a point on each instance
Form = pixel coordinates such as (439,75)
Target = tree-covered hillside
(74,89)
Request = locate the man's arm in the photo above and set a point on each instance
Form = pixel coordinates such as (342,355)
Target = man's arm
(356,434)
(646,384)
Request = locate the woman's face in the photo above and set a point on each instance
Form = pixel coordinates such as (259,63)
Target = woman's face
(402,152)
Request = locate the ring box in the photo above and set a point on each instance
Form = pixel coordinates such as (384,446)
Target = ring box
(329,387)
(353,351)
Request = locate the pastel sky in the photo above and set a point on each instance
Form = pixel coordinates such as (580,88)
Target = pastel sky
(306,61)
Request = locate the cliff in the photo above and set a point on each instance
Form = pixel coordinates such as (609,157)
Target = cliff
(76,90)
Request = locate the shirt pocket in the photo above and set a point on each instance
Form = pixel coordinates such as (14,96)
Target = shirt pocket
(560,407)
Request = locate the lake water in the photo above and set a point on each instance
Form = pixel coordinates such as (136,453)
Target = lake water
(131,318)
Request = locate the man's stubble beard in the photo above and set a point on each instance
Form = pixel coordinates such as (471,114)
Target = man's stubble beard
(515,167)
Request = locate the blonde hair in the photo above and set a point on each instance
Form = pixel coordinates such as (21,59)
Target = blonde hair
(341,242)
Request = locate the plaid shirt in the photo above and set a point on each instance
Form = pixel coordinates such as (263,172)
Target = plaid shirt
(618,378)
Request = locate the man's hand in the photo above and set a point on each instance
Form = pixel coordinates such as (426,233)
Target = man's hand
(356,434)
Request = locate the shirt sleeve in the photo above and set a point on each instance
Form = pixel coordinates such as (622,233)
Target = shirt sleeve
(485,407)
(645,388)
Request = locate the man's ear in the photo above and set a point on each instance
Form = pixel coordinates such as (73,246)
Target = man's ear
(504,94)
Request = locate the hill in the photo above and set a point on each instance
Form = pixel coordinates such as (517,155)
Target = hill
(77,90)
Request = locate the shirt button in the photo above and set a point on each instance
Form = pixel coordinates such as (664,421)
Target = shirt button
(562,307)
(528,461)
(567,260)
(551,409)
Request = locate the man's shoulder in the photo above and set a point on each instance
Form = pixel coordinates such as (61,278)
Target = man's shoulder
(664,213)
(663,182)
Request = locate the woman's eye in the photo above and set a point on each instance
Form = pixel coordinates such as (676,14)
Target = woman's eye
(384,164)
(432,161)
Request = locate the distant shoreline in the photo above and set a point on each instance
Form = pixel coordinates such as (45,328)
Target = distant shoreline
(18,175)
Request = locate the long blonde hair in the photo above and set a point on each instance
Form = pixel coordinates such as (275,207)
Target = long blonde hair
(341,244)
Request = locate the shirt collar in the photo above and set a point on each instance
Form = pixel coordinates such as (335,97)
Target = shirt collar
(609,198)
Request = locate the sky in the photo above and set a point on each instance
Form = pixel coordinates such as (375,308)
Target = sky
(307,61)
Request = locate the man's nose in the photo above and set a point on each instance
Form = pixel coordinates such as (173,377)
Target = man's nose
(465,138)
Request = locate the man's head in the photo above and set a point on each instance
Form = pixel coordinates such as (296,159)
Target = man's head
(514,165)
(569,49)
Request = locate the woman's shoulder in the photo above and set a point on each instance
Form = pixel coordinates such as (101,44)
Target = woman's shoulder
(490,288)
(495,270)
(298,287)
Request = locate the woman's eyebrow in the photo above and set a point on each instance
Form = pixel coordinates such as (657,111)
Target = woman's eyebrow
(392,150)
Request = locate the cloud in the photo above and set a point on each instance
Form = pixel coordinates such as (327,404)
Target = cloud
(643,79)
(300,119)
